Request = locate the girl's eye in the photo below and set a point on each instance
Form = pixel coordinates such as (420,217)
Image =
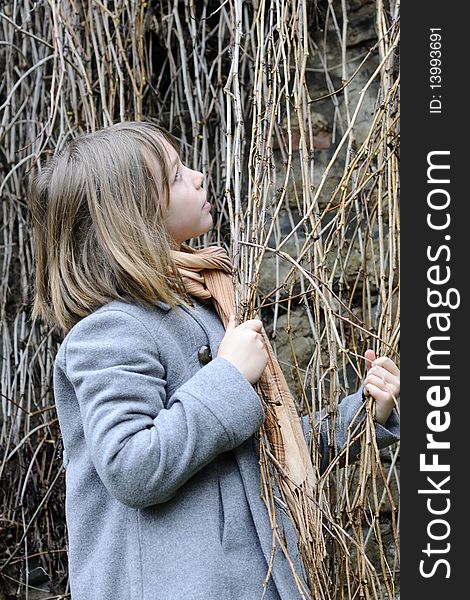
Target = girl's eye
(177,175)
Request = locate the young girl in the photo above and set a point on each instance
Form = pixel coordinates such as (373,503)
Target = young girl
(155,398)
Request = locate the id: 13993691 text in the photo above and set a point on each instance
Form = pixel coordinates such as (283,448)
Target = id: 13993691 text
(435,70)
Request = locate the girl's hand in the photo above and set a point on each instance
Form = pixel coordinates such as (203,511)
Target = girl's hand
(243,346)
(382,383)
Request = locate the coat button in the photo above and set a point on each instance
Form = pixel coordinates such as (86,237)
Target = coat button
(204,355)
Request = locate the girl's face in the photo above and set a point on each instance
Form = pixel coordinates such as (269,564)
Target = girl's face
(188,214)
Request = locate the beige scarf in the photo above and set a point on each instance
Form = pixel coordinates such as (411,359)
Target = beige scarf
(207,274)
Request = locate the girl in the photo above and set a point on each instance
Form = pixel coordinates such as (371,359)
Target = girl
(154,397)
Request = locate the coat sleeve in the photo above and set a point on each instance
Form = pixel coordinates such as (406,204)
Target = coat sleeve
(349,413)
(143,451)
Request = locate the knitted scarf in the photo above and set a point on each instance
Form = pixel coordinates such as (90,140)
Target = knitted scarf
(207,273)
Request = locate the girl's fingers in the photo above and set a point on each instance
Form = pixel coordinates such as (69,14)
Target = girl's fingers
(388,364)
(255,324)
(392,381)
(383,373)
(376,380)
(377,393)
(370,356)
(388,388)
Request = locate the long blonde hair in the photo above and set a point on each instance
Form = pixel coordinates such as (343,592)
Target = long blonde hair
(98,212)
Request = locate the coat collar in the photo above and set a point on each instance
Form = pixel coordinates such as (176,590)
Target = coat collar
(210,323)
(163,305)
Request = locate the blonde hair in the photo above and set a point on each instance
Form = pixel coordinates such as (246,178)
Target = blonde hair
(98,212)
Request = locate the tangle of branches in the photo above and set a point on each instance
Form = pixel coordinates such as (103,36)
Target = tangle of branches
(295,125)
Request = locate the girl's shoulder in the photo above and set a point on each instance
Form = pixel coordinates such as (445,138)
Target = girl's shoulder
(117,318)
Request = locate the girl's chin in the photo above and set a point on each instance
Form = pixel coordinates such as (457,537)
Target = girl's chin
(206,227)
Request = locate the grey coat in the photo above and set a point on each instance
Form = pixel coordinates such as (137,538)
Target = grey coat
(162,476)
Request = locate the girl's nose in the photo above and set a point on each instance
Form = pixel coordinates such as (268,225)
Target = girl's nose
(198,178)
